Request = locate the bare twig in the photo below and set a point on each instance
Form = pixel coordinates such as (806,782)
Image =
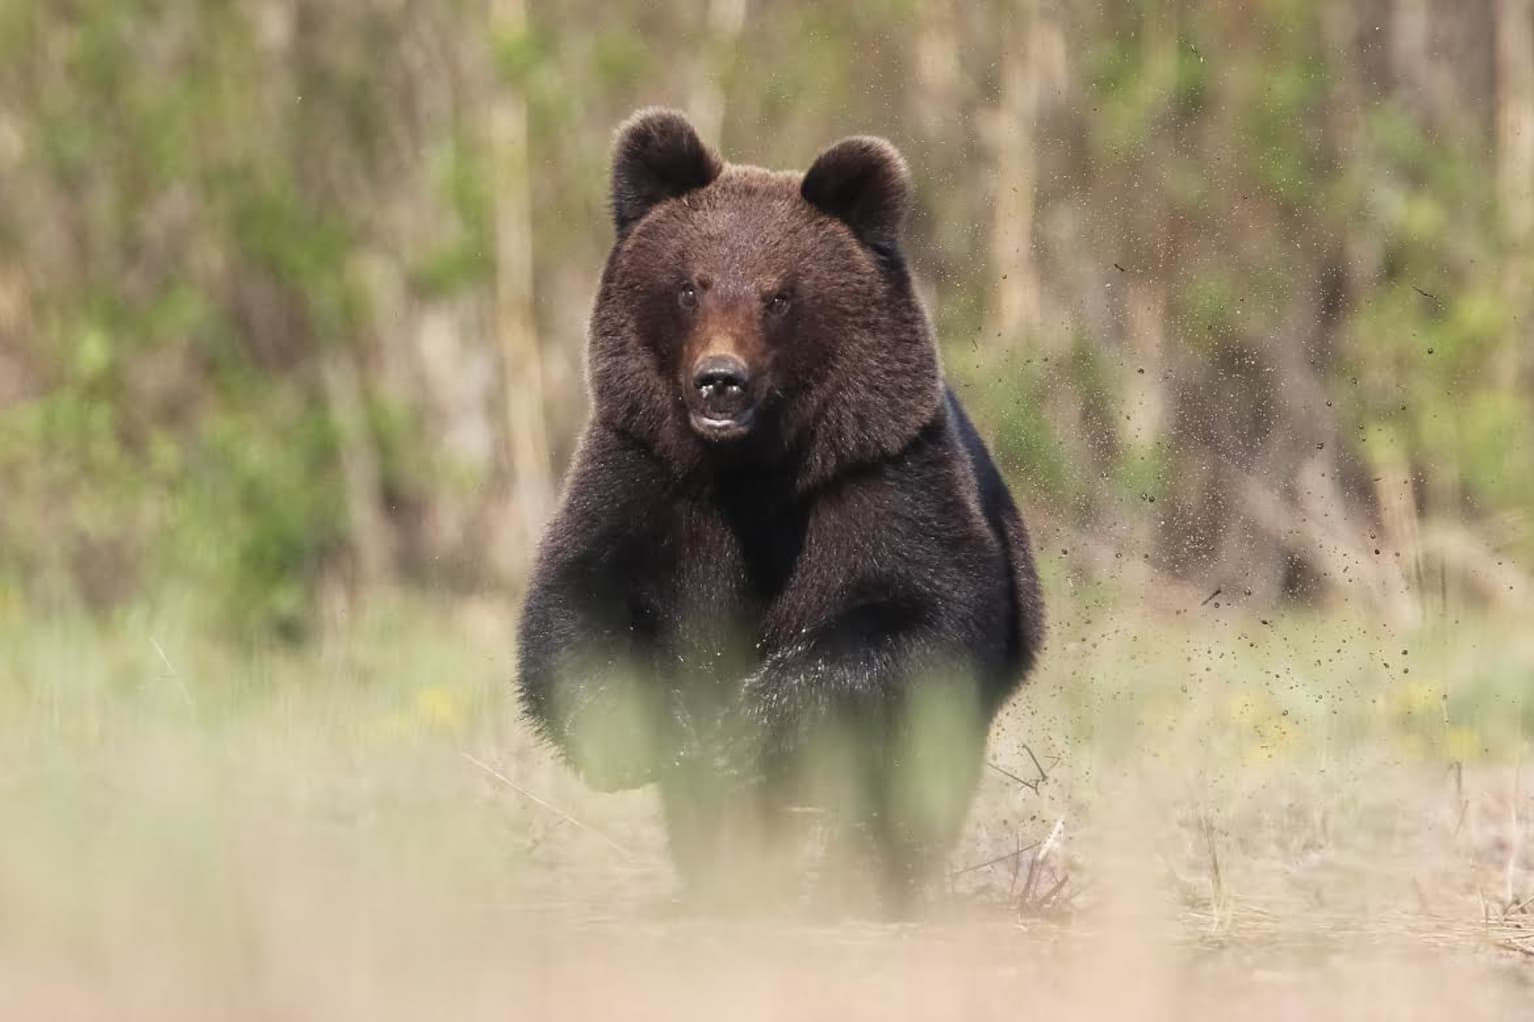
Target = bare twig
(514,786)
(1216,884)
(1053,839)
(1033,785)
(1043,774)
(996,861)
(1461,804)
(1514,834)
(1052,895)
(1520,947)
(174,674)
(1035,867)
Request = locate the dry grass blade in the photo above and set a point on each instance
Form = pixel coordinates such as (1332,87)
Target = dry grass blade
(1008,857)
(1026,903)
(1219,905)
(545,804)
(172,673)
(1033,785)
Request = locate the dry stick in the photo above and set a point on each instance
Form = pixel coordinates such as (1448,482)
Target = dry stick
(1515,833)
(1043,774)
(514,786)
(1016,854)
(1462,805)
(1035,866)
(1028,884)
(992,862)
(1052,894)
(1032,786)
(163,658)
(175,675)
(1053,839)
(1216,885)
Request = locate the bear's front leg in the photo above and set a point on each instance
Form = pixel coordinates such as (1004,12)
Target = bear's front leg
(885,730)
(588,680)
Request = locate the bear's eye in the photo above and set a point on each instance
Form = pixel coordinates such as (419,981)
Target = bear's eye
(778,304)
(687,297)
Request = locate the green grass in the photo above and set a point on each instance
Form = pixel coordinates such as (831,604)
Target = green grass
(192,829)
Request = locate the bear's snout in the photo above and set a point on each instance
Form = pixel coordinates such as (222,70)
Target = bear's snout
(721,398)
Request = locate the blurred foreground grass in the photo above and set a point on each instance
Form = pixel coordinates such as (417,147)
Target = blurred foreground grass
(1292,815)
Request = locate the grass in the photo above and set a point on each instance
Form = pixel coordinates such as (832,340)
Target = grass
(1186,813)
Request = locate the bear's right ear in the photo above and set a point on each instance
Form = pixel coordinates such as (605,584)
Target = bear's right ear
(657,157)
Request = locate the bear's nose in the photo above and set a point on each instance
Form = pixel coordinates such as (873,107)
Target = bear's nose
(720,372)
(721,382)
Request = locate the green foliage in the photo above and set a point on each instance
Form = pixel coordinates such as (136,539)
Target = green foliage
(1430,353)
(172,441)
(518,55)
(1144,473)
(467,260)
(1287,99)
(263,515)
(217,198)
(1026,442)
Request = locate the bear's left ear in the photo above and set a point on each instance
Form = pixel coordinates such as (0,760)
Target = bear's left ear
(657,156)
(864,183)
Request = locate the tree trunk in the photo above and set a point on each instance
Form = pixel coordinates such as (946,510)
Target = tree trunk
(1015,284)
(726,20)
(936,98)
(529,490)
(1515,174)
(323,181)
(1146,288)
(366,528)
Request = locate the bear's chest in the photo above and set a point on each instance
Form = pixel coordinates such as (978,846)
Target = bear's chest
(716,574)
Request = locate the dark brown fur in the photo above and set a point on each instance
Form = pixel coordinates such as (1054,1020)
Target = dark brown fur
(854,550)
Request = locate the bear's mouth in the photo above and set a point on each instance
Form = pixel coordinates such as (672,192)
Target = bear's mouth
(719,429)
(721,396)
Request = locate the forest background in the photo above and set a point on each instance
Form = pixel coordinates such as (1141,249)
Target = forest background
(293,299)
(293,294)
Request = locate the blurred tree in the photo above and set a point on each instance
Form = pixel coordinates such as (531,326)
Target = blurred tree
(1514,29)
(530,493)
(293,292)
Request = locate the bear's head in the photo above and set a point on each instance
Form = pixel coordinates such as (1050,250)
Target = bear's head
(752,316)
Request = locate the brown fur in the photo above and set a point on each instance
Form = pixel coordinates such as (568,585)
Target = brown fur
(862,369)
(853,547)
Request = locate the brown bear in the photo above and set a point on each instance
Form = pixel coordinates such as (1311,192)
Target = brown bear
(785,573)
